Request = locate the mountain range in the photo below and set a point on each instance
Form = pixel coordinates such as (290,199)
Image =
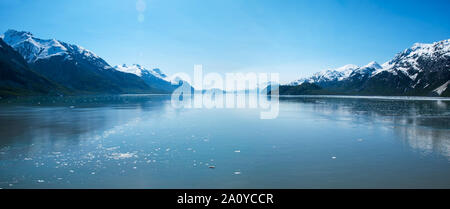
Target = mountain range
(34,66)
(75,69)
(422,70)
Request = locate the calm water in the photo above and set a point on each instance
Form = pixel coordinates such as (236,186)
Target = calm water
(143,142)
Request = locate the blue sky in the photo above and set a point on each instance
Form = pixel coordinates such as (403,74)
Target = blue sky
(294,38)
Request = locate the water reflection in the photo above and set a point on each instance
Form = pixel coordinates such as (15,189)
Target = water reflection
(67,120)
(426,135)
(422,124)
(142,141)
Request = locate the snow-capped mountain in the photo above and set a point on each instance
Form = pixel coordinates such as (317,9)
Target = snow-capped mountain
(424,64)
(72,66)
(141,71)
(423,69)
(330,75)
(368,69)
(33,48)
(410,61)
(154,77)
(16,78)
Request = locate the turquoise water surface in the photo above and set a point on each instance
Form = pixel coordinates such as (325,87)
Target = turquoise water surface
(142,141)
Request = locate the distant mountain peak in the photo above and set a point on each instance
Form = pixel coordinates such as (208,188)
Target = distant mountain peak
(337,74)
(373,65)
(141,71)
(134,69)
(15,33)
(155,78)
(346,67)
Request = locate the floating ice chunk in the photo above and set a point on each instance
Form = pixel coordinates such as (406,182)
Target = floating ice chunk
(118,156)
(333,157)
(237,151)
(40,181)
(28,158)
(112,148)
(237,173)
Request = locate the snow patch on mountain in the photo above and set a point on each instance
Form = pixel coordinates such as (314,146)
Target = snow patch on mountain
(442,88)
